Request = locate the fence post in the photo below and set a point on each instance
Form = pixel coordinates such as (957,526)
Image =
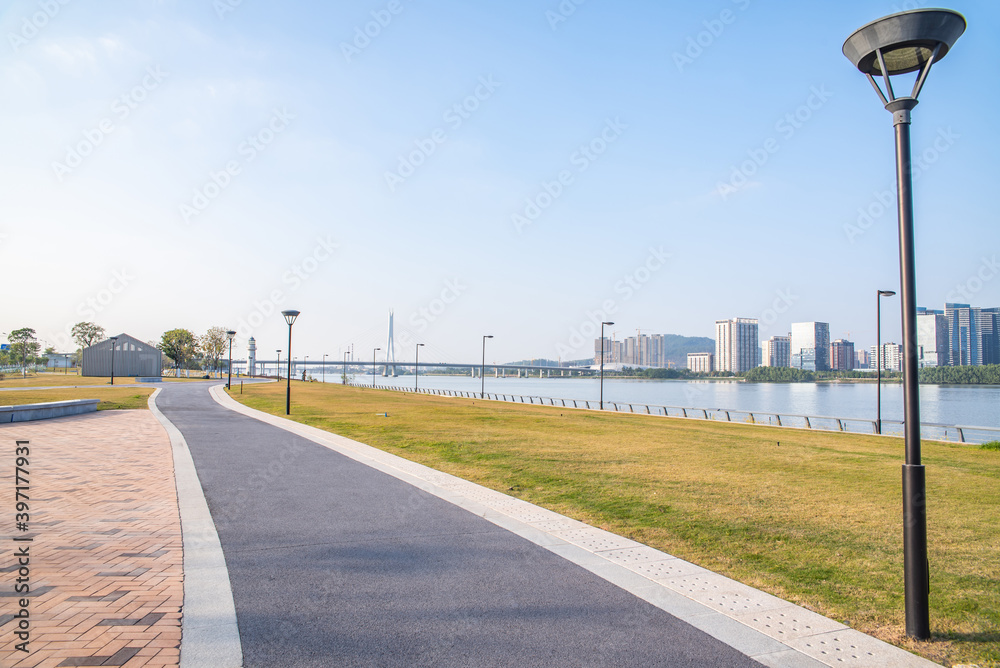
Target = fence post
(778,418)
(840,424)
(685,412)
(961,435)
(752,420)
(808,423)
(647,410)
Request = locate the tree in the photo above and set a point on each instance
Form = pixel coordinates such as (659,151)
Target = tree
(23,345)
(87,333)
(212,345)
(178,345)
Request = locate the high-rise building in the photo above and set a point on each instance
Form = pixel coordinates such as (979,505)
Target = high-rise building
(932,339)
(811,346)
(701,362)
(842,355)
(777,351)
(736,345)
(862,360)
(963,334)
(989,330)
(892,357)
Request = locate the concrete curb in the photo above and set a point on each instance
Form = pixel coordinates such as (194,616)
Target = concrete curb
(210,636)
(47,410)
(768,629)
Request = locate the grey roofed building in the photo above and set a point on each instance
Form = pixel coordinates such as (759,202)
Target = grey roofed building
(132,358)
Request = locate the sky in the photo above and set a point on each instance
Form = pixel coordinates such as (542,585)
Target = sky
(523,169)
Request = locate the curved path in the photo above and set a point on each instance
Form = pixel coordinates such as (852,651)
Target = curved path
(341,558)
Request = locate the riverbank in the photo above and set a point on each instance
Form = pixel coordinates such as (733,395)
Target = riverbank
(811,517)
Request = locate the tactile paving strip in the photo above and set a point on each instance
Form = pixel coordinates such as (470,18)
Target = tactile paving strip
(789,622)
(594,540)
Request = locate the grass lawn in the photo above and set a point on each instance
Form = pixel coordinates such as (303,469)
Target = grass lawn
(112,398)
(53,380)
(812,517)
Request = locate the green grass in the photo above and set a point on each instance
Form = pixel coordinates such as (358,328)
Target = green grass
(53,380)
(112,398)
(816,520)
(991,445)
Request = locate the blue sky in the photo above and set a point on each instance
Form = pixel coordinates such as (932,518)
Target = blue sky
(518,169)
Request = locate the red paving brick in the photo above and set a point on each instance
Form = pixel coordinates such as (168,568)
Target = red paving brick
(102,487)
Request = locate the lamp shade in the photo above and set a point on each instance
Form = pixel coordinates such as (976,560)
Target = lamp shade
(906,39)
(290,317)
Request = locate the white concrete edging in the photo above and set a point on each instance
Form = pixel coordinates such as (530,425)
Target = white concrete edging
(210,637)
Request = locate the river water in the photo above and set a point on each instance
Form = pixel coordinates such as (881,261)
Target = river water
(964,405)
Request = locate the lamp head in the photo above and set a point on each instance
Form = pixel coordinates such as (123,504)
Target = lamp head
(231,334)
(290,317)
(488,336)
(607,323)
(906,41)
(886,293)
(421,345)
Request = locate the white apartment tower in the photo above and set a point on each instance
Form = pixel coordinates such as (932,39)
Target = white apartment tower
(736,348)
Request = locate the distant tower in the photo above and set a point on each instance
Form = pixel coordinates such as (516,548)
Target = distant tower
(390,352)
(252,358)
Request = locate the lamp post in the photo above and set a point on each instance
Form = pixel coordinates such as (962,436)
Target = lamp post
(482,369)
(373,366)
(114,341)
(305,366)
(911,41)
(324,367)
(878,363)
(230,334)
(290,317)
(416,369)
(344,377)
(609,324)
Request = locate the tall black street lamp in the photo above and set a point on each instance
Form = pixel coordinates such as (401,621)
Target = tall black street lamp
(482,369)
(909,41)
(114,342)
(290,317)
(230,334)
(373,366)
(416,368)
(878,363)
(609,324)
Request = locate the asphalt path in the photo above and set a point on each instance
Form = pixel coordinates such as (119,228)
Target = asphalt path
(333,563)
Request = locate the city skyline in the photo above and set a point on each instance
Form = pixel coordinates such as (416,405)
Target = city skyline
(513,170)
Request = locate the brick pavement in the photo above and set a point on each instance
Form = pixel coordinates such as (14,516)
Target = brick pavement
(106,557)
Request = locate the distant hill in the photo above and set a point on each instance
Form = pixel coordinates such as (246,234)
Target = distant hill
(678,348)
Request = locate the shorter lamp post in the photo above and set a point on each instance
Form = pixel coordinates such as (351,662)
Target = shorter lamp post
(878,354)
(416,368)
(277,367)
(290,317)
(482,369)
(373,366)
(305,366)
(229,383)
(344,377)
(114,342)
(324,367)
(602,361)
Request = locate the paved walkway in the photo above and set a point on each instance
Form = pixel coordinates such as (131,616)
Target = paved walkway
(105,552)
